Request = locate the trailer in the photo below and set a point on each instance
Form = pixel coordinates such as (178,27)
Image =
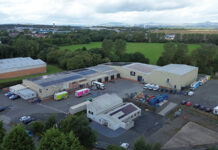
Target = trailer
(82,92)
(61,95)
(194,85)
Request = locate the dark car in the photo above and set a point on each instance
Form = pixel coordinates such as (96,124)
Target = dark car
(174,91)
(202,107)
(185,93)
(196,106)
(166,90)
(2,108)
(170,91)
(183,102)
(179,92)
(207,109)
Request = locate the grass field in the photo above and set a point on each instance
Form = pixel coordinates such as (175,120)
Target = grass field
(151,50)
(50,69)
(188,31)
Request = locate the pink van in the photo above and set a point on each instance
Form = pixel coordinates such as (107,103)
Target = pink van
(82,92)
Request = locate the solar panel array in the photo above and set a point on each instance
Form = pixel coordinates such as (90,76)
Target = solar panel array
(86,72)
(126,110)
(53,82)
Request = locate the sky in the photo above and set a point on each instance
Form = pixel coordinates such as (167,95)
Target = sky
(96,12)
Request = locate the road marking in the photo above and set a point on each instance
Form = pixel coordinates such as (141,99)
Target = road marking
(52,108)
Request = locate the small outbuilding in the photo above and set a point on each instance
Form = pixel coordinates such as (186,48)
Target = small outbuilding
(27,94)
(16,88)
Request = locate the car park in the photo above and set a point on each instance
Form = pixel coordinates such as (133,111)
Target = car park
(183,102)
(202,107)
(188,104)
(196,106)
(13,97)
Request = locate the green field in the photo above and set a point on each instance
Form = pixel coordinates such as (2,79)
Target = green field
(50,69)
(150,50)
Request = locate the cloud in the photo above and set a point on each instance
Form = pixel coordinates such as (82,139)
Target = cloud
(89,12)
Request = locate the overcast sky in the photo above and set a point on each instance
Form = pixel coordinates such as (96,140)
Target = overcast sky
(93,12)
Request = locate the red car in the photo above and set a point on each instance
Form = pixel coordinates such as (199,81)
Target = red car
(188,104)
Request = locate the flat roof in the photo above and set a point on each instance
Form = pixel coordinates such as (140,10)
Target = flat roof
(179,69)
(145,68)
(19,63)
(79,74)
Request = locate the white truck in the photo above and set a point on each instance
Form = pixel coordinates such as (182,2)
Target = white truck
(98,85)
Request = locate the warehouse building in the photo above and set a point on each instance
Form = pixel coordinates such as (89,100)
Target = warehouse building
(48,85)
(21,66)
(174,76)
(109,110)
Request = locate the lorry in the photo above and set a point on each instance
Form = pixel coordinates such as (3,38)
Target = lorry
(98,85)
(194,85)
(82,92)
(61,95)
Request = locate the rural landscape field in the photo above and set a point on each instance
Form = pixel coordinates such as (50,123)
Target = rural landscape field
(150,50)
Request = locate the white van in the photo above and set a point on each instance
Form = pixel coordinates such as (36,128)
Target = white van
(146,86)
(215,110)
(99,85)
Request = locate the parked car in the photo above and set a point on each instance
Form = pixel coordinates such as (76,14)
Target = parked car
(35,100)
(151,87)
(188,104)
(215,110)
(8,94)
(183,102)
(190,93)
(185,93)
(208,109)
(156,87)
(2,108)
(196,106)
(26,119)
(14,96)
(125,145)
(202,107)
(146,86)
(174,92)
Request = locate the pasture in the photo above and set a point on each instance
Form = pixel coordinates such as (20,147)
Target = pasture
(150,50)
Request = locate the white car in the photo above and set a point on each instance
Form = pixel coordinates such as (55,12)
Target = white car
(124,145)
(151,87)
(146,86)
(156,87)
(190,93)
(23,118)
(215,110)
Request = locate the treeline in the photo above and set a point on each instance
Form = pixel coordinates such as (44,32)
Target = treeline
(204,57)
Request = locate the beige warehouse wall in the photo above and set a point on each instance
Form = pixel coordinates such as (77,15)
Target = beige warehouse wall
(125,73)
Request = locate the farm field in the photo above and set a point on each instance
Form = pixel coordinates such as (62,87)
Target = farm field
(50,69)
(188,31)
(150,50)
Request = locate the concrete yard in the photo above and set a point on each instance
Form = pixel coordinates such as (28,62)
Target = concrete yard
(191,135)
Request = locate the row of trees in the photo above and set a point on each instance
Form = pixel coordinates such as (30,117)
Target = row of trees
(71,133)
(205,57)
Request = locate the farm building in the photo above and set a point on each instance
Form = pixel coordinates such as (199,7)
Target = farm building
(174,76)
(109,110)
(21,66)
(48,85)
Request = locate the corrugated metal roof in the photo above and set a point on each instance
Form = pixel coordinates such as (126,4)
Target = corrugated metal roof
(145,68)
(179,69)
(19,63)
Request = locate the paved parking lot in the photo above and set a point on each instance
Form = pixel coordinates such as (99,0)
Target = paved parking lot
(21,107)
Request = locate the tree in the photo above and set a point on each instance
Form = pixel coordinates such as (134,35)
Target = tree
(37,128)
(181,54)
(73,142)
(120,47)
(53,139)
(169,52)
(50,123)
(140,144)
(107,47)
(18,139)
(2,131)
(79,126)
(114,147)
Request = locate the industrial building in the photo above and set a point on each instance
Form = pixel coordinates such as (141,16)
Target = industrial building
(47,85)
(109,110)
(173,76)
(21,66)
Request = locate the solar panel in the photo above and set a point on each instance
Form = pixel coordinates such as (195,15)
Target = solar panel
(86,72)
(53,82)
(126,110)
